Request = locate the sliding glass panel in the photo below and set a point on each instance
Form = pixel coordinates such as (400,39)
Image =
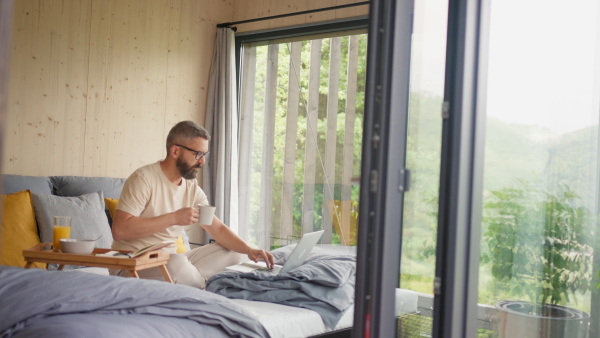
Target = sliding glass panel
(414,299)
(302,103)
(541,171)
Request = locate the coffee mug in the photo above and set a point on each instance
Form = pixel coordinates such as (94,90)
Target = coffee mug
(207,213)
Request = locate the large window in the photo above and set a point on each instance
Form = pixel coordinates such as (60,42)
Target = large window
(301,122)
(541,168)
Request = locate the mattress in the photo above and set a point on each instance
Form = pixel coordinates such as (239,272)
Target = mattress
(282,321)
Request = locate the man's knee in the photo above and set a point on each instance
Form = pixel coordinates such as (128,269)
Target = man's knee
(184,272)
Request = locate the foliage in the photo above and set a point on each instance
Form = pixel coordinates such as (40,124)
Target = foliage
(306,127)
(550,269)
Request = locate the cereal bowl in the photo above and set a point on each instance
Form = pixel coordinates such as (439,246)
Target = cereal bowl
(77,246)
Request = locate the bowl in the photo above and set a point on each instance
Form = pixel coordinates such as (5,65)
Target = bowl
(77,246)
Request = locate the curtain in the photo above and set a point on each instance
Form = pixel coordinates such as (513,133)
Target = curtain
(220,174)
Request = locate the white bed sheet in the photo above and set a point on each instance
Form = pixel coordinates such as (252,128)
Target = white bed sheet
(282,321)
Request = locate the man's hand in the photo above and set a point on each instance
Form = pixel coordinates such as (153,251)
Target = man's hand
(186,216)
(266,256)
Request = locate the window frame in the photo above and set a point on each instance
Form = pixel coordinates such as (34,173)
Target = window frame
(348,24)
(319,30)
(359,22)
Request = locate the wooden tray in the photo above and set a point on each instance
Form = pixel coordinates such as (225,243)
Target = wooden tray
(43,253)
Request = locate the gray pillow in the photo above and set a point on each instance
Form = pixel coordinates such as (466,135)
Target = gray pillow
(79,185)
(88,220)
(36,184)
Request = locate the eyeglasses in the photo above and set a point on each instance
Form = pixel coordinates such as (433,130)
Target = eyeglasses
(199,154)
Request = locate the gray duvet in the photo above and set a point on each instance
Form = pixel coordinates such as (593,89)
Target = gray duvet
(324,284)
(35,303)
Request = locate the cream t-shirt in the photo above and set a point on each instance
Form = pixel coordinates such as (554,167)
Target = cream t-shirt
(148,193)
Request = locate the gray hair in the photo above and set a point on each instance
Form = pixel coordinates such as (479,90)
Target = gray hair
(185,130)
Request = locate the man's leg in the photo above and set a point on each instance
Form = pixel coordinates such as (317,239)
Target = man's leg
(212,258)
(180,268)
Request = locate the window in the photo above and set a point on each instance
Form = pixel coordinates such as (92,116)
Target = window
(301,113)
(541,169)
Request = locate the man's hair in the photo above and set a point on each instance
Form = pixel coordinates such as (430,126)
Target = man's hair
(185,130)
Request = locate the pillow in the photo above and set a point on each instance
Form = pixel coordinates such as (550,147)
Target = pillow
(111,204)
(180,245)
(18,230)
(35,184)
(79,185)
(88,220)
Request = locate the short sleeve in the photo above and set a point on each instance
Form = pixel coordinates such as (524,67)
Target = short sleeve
(201,197)
(135,195)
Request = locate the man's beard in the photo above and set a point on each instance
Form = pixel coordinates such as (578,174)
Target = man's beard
(186,171)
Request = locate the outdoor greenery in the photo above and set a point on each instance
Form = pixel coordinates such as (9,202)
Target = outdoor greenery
(536,236)
(538,243)
(323,188)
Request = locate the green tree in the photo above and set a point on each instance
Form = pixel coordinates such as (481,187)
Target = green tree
(538,242)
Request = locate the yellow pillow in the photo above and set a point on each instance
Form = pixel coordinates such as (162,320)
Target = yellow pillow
(180,245)
(18,230)
(111,204)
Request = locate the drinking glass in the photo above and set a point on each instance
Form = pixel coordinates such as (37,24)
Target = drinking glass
(62,229)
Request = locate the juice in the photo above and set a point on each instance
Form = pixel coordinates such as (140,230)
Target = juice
(60,232)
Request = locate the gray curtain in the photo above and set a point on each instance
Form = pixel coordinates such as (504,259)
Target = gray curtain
(220,175)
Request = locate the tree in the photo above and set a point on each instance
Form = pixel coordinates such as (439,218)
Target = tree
(546,270)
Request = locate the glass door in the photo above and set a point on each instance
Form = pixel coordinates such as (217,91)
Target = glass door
(414,293)
(418,239)
(401,169)
(540,184)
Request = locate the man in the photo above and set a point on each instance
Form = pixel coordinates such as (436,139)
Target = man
(160,198)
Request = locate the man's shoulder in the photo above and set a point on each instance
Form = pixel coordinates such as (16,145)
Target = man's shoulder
(148,169)
(146,174)
(192,185)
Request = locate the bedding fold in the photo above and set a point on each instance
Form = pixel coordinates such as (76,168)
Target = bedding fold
(324,284)
(31,296)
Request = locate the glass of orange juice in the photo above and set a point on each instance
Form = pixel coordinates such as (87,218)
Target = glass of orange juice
(62,229)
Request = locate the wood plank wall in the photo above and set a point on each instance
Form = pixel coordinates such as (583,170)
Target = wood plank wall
(95,85)
(6,9)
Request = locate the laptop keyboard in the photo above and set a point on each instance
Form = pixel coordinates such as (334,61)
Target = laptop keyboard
(266,269)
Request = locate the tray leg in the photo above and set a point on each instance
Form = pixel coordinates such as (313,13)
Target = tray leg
(134,273)
(165,272)
(28,265)
(61,266)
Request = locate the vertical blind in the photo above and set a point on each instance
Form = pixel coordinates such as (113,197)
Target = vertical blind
(300,138)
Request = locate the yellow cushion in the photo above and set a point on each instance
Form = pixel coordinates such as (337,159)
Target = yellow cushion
(111,204)
(180,245)
(18,230)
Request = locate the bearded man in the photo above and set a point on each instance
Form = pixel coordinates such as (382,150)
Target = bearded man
(159,199)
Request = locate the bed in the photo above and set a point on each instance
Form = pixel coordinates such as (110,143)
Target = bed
(73,304)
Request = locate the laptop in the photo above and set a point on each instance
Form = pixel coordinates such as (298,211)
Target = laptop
(297,257)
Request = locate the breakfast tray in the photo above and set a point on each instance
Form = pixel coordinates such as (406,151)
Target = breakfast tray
(43,253)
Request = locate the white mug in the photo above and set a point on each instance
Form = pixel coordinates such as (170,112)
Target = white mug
(207,213)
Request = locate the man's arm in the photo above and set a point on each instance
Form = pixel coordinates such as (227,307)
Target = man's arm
(126,226)
(227,238)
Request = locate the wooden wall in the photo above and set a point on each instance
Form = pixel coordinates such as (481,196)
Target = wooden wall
(95,85)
